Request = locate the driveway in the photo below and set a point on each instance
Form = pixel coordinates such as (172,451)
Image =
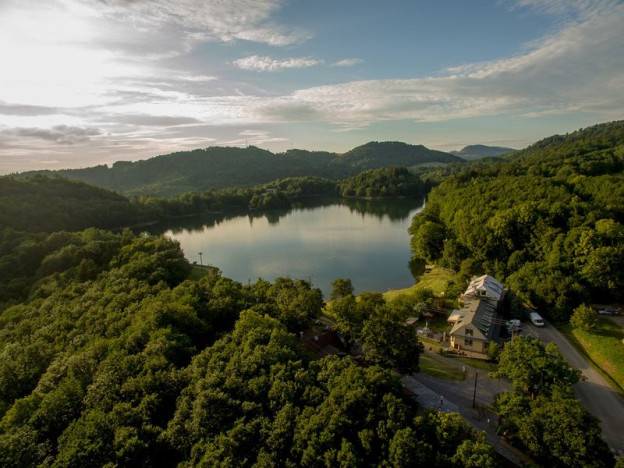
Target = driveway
(593,391)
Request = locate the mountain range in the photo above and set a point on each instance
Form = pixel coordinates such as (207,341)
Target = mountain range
(219,167)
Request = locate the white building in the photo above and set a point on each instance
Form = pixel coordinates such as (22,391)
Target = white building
(486,287)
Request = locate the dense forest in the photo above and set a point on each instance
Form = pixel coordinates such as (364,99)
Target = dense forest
(385,182)
(548,220)
(45,204)
(111,356)
(219,167)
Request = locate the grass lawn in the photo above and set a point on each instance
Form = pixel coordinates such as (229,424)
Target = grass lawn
(431,345)
(437,280)
(477,363)
(438,368)
(604,347)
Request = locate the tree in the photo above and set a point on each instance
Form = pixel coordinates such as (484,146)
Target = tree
(493,350)
(349,317)
(391,343)
(428,240)
(475,453)
(534,368)
(541,413)
(584,317)
(341,287)
(555,429)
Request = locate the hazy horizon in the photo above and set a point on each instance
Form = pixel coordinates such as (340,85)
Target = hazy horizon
(89,82)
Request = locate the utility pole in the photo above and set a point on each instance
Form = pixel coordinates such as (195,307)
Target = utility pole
(200,259)
(474,395)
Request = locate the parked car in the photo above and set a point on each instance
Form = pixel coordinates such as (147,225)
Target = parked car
(536,319)
(607,311)
(513,325)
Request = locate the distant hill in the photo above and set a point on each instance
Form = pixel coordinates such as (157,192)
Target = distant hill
(394,153)
(219,167)
(472,152)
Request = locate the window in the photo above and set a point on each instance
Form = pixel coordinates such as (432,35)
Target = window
(469,332)
(468,341)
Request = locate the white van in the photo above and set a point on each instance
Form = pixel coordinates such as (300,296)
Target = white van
(536,319)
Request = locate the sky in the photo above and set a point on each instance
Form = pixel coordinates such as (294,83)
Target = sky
(86,82)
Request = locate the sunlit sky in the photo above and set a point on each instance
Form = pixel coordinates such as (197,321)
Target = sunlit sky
(86,82)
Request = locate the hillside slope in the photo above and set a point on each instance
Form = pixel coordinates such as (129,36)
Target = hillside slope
(219,167)
(52,204)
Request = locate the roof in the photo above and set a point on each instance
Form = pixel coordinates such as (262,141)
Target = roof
(478,313)
(485,285)
(455,316)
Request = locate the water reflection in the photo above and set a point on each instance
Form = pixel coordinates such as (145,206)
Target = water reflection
(365,240)
(394,210)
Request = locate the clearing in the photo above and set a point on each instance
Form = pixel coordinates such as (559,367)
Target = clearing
(436,279)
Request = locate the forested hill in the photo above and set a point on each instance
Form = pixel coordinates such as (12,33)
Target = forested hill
(549,220)
(47,204)
(53,204)
(473,152)
(559,148)
(393,153)
(218,167)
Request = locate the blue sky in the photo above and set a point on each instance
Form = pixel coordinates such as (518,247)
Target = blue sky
(86,82)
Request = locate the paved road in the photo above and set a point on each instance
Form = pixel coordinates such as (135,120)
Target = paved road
(457,397)
(619,319)
(593,391)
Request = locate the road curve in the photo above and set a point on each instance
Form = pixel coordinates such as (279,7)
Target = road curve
(593,390)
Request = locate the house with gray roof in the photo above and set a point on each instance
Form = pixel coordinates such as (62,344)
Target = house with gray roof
(474,324)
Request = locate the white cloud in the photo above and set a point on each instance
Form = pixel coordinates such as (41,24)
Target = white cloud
(209,19)
(197,78)
(567,8)
(579,68)
(348,62)
(264,63)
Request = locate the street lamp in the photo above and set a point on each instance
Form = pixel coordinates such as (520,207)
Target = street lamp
(200,259)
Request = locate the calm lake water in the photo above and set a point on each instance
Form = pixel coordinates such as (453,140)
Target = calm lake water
(366,241)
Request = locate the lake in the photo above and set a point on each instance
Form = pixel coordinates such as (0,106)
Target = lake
(364,240)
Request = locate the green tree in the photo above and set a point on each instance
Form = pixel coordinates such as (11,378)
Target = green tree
(493,350)
(532,367)
(391,343)
(555,429)
(584,317)
(475,453)
(341,287)
(428,240)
